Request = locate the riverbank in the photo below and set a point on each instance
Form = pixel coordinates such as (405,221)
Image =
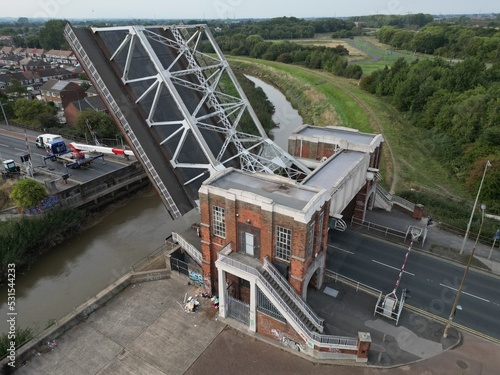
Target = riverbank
(312,91)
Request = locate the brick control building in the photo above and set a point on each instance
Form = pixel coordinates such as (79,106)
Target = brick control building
(264,217)
(263,244)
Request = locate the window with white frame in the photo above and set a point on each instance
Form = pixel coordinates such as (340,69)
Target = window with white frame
(283,243)
(218,222)
(310,239)
(320,229)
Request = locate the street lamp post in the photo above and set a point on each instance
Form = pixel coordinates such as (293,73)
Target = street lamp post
(457,298)
(488,164)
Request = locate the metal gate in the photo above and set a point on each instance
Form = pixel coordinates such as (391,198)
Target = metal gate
(179,266)
(238,310)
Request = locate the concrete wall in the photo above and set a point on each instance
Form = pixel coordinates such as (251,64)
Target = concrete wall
(104,189)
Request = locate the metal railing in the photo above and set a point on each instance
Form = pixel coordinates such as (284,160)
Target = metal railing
(191,250)
(137,266)
(383,230)
(294,296)
(354,283)
(318,339)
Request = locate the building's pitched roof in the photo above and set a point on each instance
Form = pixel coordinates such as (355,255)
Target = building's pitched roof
(50,72)
(90,102)
(57,52)
(35,51)
(37,63)
(91,91)
(54,85)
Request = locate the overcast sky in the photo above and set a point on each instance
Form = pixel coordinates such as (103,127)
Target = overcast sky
(210,9)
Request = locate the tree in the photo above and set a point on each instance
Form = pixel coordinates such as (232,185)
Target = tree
(28,193)
(100,122)
(29,111)
(52,36)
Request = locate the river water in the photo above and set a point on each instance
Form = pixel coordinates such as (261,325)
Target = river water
(66,276)
(287,118)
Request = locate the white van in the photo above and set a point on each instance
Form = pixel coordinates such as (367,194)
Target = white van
(44,139)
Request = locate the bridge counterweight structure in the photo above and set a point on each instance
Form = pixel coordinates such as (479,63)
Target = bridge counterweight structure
(171,102)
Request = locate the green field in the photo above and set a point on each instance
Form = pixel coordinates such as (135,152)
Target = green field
(407,167)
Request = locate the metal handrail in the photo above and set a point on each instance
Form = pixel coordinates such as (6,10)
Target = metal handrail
(292,293)
(318,339)
(193,251)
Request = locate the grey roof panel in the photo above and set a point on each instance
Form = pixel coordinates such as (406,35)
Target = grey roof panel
(351,136)
(332,173)
(267,186)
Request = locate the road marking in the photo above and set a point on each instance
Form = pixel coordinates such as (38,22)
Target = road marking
(338,248)
(1,144)
(19,149)
(394,268)
(472,295)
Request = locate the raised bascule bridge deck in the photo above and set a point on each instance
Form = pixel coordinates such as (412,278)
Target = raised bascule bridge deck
(166,98)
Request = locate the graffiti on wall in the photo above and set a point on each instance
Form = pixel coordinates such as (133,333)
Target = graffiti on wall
(287,341)
(196,278)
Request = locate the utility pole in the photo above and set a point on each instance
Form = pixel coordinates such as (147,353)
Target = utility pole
(457,298)
(488,164)
(4,116)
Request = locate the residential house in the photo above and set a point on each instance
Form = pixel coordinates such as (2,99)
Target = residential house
(45,75)
(61,57)
(6,50)
(10,60)
(34,53)
(61,92)
(19,51)
(30,64)
(5,40)
(75,108)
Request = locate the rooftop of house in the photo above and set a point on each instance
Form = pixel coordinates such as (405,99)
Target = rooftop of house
(52,72)
(90,102)
(58,85)
(56,52)
(91,91)
(279,190)
(34,63)
(38,51)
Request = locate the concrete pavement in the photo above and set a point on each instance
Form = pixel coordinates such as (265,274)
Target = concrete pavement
(144,331)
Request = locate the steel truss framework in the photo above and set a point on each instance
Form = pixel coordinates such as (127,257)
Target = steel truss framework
(192,79)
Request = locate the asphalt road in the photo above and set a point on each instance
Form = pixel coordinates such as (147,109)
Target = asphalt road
(11,147)
(432,282)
